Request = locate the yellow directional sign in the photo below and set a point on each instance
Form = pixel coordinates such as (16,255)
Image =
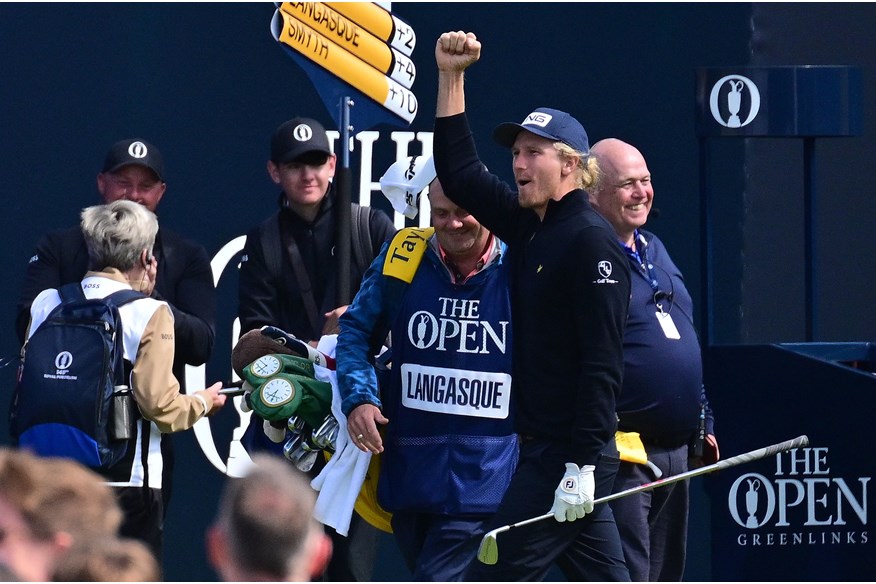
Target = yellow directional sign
(343,64)
(382,24)
(355,39)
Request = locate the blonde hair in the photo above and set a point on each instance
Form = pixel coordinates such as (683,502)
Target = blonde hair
(587,172)
(116,233)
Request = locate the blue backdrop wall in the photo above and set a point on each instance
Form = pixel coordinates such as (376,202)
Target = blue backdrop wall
(207,83)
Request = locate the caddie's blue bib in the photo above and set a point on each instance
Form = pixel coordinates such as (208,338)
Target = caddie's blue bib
(451,447)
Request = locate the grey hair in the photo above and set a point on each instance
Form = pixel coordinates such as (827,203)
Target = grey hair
(116,234)
(587,173)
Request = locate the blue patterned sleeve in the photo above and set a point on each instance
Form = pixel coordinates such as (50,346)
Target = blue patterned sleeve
(363,327)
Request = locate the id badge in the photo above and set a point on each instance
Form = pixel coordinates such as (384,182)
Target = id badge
(668,326)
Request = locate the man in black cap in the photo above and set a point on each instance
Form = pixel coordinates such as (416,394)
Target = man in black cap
(570,291)
(289,279)
(134,169)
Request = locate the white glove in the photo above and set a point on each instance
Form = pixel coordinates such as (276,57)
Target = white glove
(573,498)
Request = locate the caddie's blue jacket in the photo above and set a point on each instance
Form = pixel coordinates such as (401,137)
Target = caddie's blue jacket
(368,321)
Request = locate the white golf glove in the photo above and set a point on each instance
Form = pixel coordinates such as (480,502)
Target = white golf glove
(573,499)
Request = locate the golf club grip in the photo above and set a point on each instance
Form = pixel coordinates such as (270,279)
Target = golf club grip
(798,442)
(301,348)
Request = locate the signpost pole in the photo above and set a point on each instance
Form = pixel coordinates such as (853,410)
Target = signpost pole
(343,199)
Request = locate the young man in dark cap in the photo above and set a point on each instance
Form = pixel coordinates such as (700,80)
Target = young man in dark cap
(570,291)
(289,279)
(133,169)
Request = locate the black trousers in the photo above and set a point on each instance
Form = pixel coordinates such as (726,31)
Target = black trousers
(653,524)
(588,549)
(143,510)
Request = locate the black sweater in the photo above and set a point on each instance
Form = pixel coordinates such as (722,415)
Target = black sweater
(569,310)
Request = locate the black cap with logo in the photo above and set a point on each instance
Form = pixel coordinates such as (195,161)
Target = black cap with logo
(298,137)
(134,151)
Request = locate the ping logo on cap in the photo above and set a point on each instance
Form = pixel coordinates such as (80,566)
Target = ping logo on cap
(138,150)
(538,119)
(302,133)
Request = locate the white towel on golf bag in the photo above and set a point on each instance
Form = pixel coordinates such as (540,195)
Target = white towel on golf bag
(341,480)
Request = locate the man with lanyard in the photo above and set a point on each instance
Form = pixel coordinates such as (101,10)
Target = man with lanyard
(450,447)
(663,399)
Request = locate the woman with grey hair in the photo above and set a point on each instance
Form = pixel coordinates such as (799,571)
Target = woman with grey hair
(120,236)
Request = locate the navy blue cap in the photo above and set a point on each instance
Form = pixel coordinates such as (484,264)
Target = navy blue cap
(548,123)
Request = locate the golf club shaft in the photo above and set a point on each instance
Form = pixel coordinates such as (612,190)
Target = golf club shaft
(799,442)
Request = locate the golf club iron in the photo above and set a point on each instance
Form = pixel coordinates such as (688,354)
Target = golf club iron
(488,552)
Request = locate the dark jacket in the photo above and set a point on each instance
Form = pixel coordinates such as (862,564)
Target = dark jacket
(570,291)
(268,298)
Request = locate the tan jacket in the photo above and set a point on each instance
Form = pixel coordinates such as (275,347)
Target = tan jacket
(147,326)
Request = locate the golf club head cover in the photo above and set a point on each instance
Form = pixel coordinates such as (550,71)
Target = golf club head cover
(296,346)
(254,344)
(285,386)
(573,498)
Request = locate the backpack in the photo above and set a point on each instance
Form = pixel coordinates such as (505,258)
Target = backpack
(72,372)
(360,236)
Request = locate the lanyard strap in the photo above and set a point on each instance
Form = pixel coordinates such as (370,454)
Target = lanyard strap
(639,258)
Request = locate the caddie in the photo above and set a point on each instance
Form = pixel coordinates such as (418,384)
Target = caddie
(442,418)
